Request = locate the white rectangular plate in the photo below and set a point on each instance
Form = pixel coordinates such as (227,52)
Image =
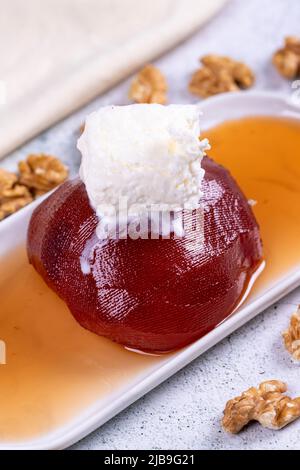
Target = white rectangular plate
(13,233)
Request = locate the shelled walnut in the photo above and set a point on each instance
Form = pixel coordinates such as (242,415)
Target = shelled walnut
(266,404)
(13,196)
(292,336)
(149,86)
(41,173)
(287,59)
(220,74)
(38,174)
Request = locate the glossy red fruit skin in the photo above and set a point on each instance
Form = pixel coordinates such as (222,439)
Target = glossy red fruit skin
(150,295)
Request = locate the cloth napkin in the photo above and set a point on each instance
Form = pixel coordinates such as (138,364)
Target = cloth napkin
(56,55)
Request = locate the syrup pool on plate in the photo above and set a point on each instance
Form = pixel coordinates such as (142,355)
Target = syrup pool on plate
(55,369)
(263,155)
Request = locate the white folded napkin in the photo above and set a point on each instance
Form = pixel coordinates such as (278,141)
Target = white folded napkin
(56,55)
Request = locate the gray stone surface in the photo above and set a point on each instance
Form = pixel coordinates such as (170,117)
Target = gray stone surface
(185,412)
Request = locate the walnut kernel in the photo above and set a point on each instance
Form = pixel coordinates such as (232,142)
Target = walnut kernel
(42,173)
(266,404)
(7,181)
(13,196)
(287,59)
(220,74)
(292,336)
(149,86)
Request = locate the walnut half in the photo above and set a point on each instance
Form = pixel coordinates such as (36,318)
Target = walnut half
(291,336)
(149,86)
(41,173)
(220,74)
(266,404)
(287,59)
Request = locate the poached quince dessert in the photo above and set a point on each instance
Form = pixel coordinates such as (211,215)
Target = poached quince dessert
(154,244)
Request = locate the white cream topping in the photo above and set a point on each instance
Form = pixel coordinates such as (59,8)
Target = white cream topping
(142,160)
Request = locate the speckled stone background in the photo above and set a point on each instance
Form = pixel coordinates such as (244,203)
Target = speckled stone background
(185,412)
